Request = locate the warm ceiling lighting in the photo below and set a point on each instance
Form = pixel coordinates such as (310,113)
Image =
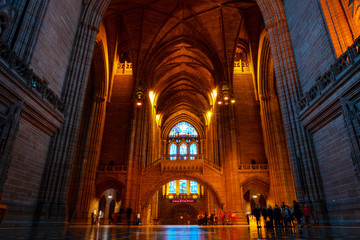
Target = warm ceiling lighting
(152,97)
(232,100)
(109,196)
(254,196)
(226,98)
(139,103)
(209,114)
(219,102)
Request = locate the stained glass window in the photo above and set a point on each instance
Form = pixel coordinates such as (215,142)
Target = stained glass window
(173,151)
(172,187)
(183,129)
(193,187)
(193,149)
(183,186)
(183,149)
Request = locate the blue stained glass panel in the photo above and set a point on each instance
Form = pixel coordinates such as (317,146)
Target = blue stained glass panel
(193,149)
(183,149)
(173,151)
(172,187)
(182,186)
(193,187)
(183,129)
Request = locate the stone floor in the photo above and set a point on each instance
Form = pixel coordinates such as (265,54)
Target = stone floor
(192,232)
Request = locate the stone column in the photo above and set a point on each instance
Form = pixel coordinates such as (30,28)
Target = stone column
(87,188)
(282,185)
(53,193)
(305,167)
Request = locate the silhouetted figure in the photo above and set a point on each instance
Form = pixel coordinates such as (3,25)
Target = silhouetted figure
(270,215)
(128,215)
(297,213)
(256,213)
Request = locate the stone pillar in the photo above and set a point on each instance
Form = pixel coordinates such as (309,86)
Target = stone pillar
(87,188)
(282,185)
(305,167)
(53,193)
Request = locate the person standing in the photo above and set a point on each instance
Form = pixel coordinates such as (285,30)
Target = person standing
(307,213)
(297,213)
(256,213)
(188,218)
(270,215)
(128,215)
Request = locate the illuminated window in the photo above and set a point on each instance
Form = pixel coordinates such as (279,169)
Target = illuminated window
(173,151)
(193,187)
(183,149)
(172,187)
(193,150)
(183,186)
(183,129)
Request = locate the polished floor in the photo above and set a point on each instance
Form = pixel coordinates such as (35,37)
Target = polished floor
(192,232)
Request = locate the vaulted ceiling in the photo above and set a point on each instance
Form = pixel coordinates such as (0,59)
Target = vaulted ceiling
(182,49)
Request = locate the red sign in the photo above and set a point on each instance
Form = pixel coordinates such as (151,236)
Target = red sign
(182,200)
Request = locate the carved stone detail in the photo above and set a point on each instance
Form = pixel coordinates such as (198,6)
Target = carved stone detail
(351,111)
(9,125)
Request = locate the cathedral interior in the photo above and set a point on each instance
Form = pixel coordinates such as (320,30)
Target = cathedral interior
(171,108)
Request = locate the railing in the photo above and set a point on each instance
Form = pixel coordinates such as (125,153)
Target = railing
(182,157)
(152,165)
(34,82)
(112,168)
(241,67)
(124,68)
(347,60)
(253,167)
(213,165)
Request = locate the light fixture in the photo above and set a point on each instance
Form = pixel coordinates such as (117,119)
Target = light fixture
(139,96)
(254,196)
(110,196)
(232,100)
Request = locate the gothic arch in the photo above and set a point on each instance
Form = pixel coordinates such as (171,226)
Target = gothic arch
(259,184)
(148,194)
(109,183)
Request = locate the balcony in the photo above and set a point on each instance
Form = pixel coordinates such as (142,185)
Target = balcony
(253,168)
(112,168)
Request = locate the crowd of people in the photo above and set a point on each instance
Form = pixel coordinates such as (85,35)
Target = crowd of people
(213,219)
(283,216)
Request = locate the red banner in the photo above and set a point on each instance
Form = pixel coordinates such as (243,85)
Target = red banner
(182,200)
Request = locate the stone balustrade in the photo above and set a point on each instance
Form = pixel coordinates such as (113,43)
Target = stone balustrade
(112,168)
(253,167)
(180,165)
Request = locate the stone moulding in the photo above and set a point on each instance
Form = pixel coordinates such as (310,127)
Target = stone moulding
(333,76)
(34,82)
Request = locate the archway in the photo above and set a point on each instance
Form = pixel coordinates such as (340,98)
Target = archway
(160,203)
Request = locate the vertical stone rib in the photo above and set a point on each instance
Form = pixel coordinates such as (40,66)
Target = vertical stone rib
(290,91)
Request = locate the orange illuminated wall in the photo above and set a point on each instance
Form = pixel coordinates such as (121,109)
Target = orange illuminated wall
(342,19)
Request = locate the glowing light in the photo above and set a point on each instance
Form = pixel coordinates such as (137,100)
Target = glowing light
(157,117)
(219,102)
(152,97)
(226,98)
(138,103)
(209,115)
(232,100)
(109,196)
(254,196)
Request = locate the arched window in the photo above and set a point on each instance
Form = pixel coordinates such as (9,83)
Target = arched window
(172,187)
(193,150)
(173,151)
(182,141)
(183,186)
(183,129)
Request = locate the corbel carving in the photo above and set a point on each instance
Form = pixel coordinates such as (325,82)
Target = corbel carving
(351,111)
